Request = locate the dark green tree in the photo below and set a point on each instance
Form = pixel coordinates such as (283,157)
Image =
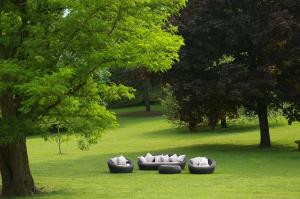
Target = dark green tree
(257,34)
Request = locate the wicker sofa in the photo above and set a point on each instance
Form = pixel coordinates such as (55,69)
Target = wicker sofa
(114,168)
(203,170)
(154,165)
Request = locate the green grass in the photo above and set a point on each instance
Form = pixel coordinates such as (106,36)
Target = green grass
(243,169)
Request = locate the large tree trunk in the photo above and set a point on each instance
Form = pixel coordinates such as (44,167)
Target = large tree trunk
(14,166)
(15,172)
(262,112)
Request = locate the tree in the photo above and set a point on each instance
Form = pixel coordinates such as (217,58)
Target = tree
(50,54)
(58,137)
(256,34)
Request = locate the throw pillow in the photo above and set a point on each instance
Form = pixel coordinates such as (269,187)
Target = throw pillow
(149,157)
(114,160)
(143,159)
(181,158)
(174,158)
(157,158)
(165,158)
(195,161)
(122,161)
(203,162)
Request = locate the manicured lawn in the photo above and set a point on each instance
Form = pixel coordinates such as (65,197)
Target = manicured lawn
(243,170)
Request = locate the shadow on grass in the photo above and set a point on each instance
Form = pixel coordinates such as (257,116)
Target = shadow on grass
(92,165)
(234,160)
(43,193)
(130,121)
(141,114)
(205,131)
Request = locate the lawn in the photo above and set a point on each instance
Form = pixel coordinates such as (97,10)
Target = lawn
(243,169)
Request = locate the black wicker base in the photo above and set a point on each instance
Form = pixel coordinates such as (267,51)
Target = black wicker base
(120,169)
(169,169)
(203,170)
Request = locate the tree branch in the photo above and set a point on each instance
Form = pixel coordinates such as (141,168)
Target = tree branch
(115,22)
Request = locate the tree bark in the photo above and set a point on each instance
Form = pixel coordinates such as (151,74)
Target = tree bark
(262,111)
(192,126)
(212,123)
(223,119)
(15,172)
(14,166)
(224,123)
(59,141)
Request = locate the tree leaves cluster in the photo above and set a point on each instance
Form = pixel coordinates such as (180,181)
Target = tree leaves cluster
(53,52)
(54,60)
(237,53)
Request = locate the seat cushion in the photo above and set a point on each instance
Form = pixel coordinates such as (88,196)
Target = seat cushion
(161,163)
(174,158)
(158,158)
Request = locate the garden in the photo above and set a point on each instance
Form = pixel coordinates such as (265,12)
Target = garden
(149,99)
(243,170)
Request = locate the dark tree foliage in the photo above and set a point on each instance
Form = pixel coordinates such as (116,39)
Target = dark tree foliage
(289,79)
(142,80)
(261,37)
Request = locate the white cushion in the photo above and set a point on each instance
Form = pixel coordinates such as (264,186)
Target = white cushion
(200,162)
(149,157)
(195,161)
(181,158)
(203,162)
(157,158)
(122,161)
(126,165)
(114,160)
(174,158)
(165,158)
(143,159)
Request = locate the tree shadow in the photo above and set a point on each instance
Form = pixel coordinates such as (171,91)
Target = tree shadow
(130,121)
(97,164)
(205,131)
(236,160)
(43,193)
(141,114)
